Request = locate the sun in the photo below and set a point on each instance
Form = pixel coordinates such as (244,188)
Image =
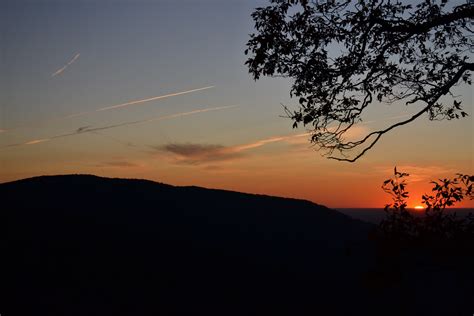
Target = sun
(419,207)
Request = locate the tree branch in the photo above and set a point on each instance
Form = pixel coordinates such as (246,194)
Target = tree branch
(461,12)
(442,91)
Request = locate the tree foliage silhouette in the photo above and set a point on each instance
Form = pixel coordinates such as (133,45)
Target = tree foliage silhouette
(436,224)
(345,55)
(409,243)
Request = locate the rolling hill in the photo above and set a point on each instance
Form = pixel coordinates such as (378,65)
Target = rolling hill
(86,245)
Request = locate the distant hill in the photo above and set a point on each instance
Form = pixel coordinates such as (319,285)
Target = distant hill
(376,215)
(85,245)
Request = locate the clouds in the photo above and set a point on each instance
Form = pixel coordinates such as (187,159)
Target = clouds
(112,107)
(196,154)
(420,173)
(90,129)
(274,139)
(136,102)
(118,164)
(60,70)
(37,141)
(191,150)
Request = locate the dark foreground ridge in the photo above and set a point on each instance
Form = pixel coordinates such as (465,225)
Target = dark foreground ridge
(85,245)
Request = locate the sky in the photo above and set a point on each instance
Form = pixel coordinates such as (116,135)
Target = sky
(159,90)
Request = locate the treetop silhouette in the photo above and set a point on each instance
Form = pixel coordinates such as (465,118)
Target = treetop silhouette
(345,55)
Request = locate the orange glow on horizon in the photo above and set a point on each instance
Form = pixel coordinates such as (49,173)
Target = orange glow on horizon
(419,207)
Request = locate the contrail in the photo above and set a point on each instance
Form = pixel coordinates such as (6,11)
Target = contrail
(159,118)
(112,107)
(262,142)
(82,128)
(37,141)
(59,71)
(151,99)
(87,129)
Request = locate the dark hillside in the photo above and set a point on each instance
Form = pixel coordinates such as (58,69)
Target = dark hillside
(85,245)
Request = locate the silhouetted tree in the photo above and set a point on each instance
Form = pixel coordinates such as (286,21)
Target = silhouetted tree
(436,224)
(344,55)
(411,241)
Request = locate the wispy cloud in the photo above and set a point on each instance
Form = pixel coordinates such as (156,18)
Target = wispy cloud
(419,173)
(89,129)
(195,154)
(136,102)
(121,105)
(60,70)
(82,128)
(262,142)
(37,141)
(154,119)
(118,164)
(107,108)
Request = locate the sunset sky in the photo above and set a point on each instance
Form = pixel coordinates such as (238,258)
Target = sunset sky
(159,90)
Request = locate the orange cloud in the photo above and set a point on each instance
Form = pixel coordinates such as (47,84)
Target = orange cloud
(194,154)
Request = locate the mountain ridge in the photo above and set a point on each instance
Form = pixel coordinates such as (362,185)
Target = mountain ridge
(92,176)
(108,245)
